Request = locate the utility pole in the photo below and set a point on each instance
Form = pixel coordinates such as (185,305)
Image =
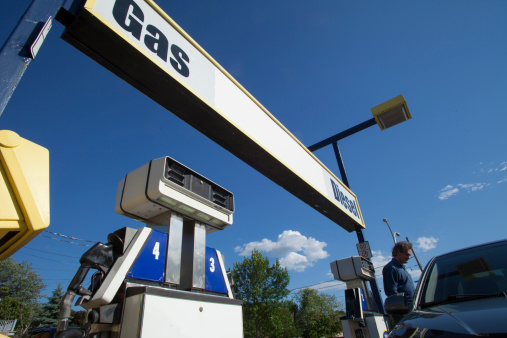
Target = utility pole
(415,256)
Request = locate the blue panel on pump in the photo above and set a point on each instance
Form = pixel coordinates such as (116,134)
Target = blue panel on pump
(150,265)
(363,300)
(214,280)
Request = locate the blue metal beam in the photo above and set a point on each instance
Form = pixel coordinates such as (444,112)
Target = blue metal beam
(15,56)
(343,134)
(360,236)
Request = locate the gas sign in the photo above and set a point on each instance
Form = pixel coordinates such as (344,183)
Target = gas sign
(141,44)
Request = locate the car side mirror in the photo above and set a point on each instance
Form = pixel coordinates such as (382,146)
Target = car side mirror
(395,304)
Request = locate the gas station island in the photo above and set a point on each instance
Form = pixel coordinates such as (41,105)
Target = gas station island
(162,277)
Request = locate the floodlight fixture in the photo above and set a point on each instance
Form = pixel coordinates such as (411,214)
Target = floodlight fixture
(391,113)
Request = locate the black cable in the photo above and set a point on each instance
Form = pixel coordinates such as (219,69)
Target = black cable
(52,253)
(70,237)
(304,287)
(62,240)
(24,253)
(58,279)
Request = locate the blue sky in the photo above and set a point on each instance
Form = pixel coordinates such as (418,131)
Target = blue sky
(318,67)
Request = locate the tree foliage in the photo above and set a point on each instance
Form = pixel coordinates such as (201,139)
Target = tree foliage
(263,287)
(23,288)
(11,308)
(20,281)
(48,316)
(77,318)
(317,314)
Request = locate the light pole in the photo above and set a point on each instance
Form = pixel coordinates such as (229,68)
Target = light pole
(394,238)
(385,115)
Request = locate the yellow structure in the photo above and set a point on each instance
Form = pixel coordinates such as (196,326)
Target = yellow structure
(24,191)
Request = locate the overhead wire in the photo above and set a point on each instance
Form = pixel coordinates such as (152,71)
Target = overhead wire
(58,279)
(48,259)
(48,252)
(62,240)
(89,241)
(69,237)
(336,284)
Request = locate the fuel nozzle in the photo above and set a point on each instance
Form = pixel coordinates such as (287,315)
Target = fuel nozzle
(99,257)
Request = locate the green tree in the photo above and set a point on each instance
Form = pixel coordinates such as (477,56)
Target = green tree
(23,287)
(77,318)
(20,281)
(11,308)
(262,288)
(317,314)
(49,314)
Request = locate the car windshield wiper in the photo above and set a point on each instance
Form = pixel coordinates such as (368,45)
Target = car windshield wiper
(463,297)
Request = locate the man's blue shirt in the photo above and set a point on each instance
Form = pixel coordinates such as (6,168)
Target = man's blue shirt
(398,280)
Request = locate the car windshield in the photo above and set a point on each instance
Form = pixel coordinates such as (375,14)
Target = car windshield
(476,271)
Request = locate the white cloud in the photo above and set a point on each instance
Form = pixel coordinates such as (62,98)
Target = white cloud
(427,243)
(295,251)
(447,192)
(473,186)
(414,272)
(487,170)
(379,259)
(490,168)
(294,261)
(450,190)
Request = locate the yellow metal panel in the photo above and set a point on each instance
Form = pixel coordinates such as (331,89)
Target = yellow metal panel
(24,190)
(392,103)
(9,210)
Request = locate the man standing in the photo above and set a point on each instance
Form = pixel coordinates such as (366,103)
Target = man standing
(396,278)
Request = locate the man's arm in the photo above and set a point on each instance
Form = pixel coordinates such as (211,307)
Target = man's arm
(390,277)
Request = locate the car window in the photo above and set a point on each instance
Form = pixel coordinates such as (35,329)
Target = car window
(476,271)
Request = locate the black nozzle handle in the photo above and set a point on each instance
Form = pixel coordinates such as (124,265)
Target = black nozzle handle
(76,283)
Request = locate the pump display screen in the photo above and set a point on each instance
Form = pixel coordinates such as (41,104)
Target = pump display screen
(190,180)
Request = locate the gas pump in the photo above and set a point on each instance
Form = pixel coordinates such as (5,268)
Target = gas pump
(159,280)
(362,318)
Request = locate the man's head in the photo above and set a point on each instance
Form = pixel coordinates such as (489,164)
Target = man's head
(402,252)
